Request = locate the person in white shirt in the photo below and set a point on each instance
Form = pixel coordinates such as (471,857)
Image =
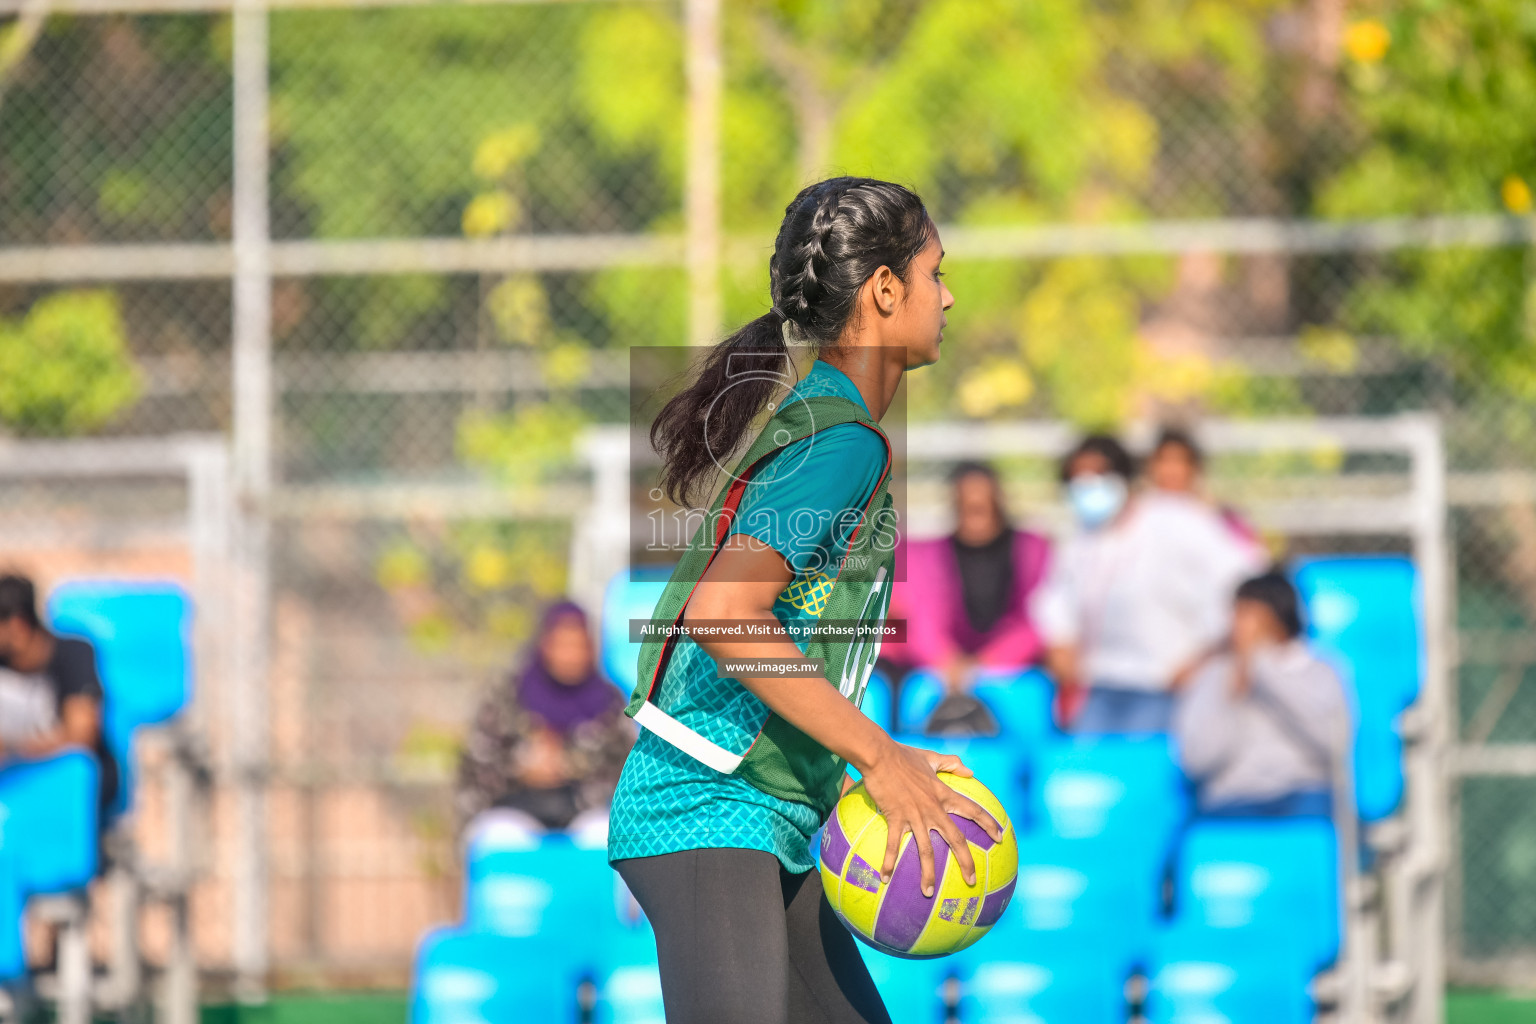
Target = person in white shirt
(1264,727)
(1139,596)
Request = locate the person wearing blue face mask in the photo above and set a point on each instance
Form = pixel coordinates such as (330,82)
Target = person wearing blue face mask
(1138,596)
(1097,498)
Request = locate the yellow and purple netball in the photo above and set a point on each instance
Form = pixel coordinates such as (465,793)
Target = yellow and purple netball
(894,916)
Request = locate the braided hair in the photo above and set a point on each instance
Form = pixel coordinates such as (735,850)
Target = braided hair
(835,235)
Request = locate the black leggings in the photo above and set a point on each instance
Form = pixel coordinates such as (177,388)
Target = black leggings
(742,941)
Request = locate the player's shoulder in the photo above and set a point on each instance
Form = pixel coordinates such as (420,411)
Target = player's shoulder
(843,450)
(847,440)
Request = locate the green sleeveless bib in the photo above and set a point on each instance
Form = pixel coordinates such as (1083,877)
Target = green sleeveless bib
(781,760)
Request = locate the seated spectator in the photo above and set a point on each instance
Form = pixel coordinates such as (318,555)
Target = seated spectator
(1264,726)
(966,596)
(1177,466)
(50,695)
(548,744)
(1138,596)
(965,600)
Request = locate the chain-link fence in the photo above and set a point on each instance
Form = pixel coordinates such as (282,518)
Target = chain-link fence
(470,213)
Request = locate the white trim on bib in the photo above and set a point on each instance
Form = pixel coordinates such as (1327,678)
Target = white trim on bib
(685,739)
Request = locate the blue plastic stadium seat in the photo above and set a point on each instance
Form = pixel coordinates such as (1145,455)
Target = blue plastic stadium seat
(142,635)
(1124,790)
(1070,888)
(546,887)
(876,704)
(631,995)
(1378,772)
(1363,616)
(1020,700)
(543,913)
(1367,609)
(1077,926)
(1042,979)
(632,594)
(13,958)
(1272,882)
(469,977)
(1195,980)
(1022,703)
(558,894)
(48,822)
(629,986)
(921,692)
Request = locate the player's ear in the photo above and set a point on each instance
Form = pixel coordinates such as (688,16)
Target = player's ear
(886,290)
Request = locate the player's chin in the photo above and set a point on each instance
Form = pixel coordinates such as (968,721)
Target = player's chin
(924,354)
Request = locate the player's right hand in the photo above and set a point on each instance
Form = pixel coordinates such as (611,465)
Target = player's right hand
(905,786)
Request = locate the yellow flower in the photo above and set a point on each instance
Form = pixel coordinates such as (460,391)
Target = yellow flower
(566,365)
(402,565)
(1330,348)
(500,150)
(1173,378)
(489,213)
(546,575)
(520,309)
(488,569)
(432,633)
(1516,195)
(1327,458)
(1367,41)
(996,385)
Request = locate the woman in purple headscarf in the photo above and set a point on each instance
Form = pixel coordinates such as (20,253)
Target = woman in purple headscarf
(551,740)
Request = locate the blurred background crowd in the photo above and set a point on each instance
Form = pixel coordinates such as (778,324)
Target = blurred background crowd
(324,313)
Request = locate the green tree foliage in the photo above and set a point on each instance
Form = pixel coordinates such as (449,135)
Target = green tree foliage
(572,118)
(405,122)
(382,113)
(473,585)
(523,447)
(999,113)
(64,366)
(1446,93)
(115,127)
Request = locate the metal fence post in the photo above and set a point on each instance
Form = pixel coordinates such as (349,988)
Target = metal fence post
(701,202)
(252,388)
(1428,873)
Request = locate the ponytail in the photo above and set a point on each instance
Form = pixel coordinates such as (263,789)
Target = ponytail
(704,423)
(835,235)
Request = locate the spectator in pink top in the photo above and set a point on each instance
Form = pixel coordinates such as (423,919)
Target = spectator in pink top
(966,596)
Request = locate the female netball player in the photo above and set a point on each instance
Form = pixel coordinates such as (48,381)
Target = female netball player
(733,772)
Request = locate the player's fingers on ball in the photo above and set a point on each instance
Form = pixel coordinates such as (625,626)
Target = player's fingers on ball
(895,828)
(924,844)
(959,847)
(955,766)
(964,806)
